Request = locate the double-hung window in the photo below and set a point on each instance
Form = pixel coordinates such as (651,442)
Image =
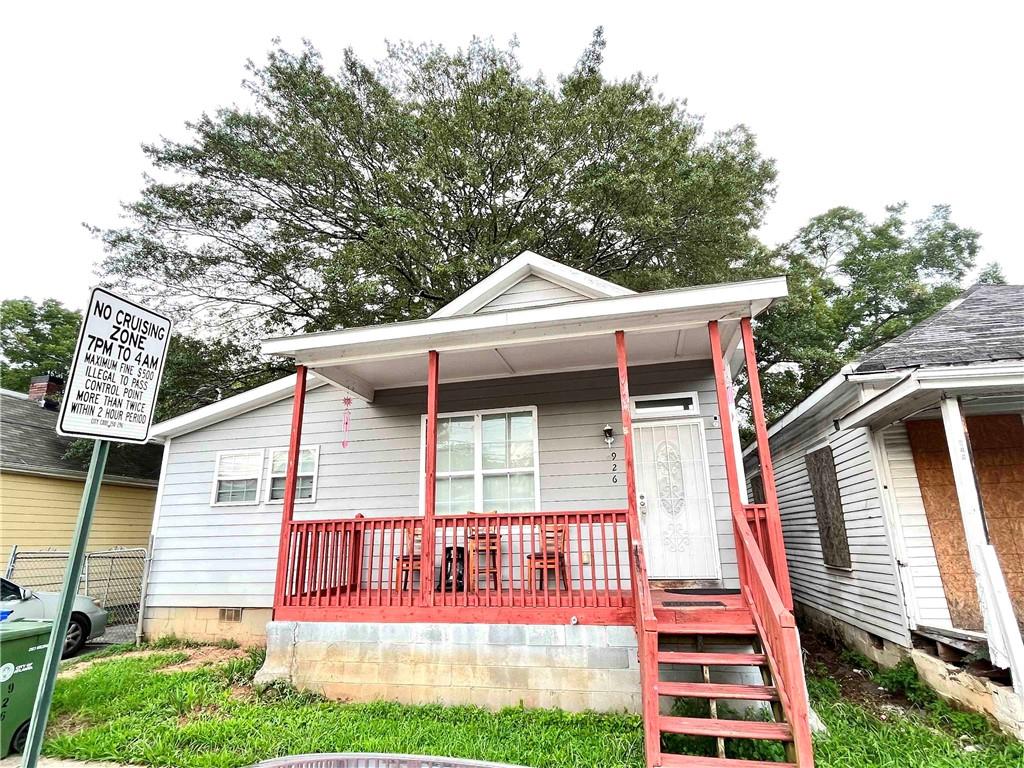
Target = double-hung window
(487,461)
(305,481)
(237,477)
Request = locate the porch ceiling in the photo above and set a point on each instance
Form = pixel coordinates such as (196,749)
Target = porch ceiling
(490,362)
(660,327)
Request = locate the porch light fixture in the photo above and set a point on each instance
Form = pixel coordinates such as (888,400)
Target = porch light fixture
(609,435)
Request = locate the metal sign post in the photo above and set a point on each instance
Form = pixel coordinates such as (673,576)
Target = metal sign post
(111,393)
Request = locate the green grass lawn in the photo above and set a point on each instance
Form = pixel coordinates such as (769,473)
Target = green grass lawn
(123,709)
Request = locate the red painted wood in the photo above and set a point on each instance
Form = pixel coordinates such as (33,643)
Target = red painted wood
(288,511)
(718,691)
(700,761)
(712,659)
(780,569)
(706,628)
(647,638)
(725,421)
(729,729)
(430,480)
(460,614)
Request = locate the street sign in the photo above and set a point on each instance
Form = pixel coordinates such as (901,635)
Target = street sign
(110,395)
(116,371)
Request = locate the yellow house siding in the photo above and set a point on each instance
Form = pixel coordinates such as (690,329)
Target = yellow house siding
(40,513)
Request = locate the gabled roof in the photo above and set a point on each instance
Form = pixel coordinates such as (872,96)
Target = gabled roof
(984,324)
(29,444)
(521,267)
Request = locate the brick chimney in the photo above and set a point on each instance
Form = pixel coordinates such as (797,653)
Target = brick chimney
(43,389)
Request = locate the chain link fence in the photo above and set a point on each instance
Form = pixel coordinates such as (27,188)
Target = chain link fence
(113,576)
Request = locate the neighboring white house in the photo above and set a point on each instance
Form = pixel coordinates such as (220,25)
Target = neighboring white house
(901,490)
(457,521)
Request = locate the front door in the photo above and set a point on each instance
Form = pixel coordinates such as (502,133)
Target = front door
(677,518)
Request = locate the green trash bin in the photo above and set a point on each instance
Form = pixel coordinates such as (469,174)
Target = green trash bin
(22,652)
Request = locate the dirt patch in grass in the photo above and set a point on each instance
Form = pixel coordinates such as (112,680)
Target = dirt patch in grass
(205,656)
(827,658)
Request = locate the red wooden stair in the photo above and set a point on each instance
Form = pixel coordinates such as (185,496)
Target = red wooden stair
(720,619)
(757,622)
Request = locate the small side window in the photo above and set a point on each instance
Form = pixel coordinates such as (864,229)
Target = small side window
(675,404)
(237,477)
(305,487)
(828,507)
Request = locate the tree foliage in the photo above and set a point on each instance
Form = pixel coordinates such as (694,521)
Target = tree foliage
(40,338)
(854,284)
(35,339)
(381,192)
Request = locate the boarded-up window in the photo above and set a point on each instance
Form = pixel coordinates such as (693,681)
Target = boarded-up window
(828,507)
(756,490)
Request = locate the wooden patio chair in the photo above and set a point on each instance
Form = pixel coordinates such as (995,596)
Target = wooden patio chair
(484,540)
(408,562)
(554,538)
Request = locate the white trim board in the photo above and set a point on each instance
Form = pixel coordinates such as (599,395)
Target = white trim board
(642,311)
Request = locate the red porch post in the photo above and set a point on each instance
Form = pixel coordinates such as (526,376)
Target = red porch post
(764,456)
(627,428)
(725,421)
(646,634)
(430,483)
(290,482)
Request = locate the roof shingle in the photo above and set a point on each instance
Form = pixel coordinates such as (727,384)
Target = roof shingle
(985,324)
(29,443)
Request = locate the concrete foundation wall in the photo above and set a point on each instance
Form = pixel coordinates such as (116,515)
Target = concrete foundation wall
(952,683)
(205,624)
(573,668)
(875,647)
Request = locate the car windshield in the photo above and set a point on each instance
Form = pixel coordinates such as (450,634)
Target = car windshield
(9,590)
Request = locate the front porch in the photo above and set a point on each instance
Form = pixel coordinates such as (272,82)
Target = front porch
(468,566)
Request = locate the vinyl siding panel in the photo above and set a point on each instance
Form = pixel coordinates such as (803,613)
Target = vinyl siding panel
(531,291)
(41,512)
(866,595)
(224,556)
(929,598)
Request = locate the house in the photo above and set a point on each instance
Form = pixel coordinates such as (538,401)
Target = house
(901,490)
(40,489)
(533,496)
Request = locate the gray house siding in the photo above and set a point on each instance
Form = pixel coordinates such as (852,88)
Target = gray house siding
(225,556)
(531,291)
(868,594)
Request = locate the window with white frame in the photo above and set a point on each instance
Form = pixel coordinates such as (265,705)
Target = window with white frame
(237,476)
(305,480)
(659,406)
(487,461)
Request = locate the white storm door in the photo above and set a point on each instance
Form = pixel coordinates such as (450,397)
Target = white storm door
(677,517)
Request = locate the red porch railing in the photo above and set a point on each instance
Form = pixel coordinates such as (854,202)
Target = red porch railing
(485,567)
(776,626)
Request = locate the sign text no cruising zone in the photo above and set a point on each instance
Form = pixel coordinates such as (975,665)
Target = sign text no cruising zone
(116,372)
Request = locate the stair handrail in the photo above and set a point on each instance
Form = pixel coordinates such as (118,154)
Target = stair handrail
(647,641)
(776,627)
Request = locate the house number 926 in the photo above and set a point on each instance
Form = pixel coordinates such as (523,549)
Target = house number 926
(615,467)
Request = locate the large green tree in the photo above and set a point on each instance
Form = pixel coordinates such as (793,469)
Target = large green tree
(380,192)
(853,284)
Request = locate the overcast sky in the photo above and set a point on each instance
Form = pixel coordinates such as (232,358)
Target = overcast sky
(860,104)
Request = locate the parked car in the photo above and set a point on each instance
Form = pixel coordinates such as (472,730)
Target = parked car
(88,619)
